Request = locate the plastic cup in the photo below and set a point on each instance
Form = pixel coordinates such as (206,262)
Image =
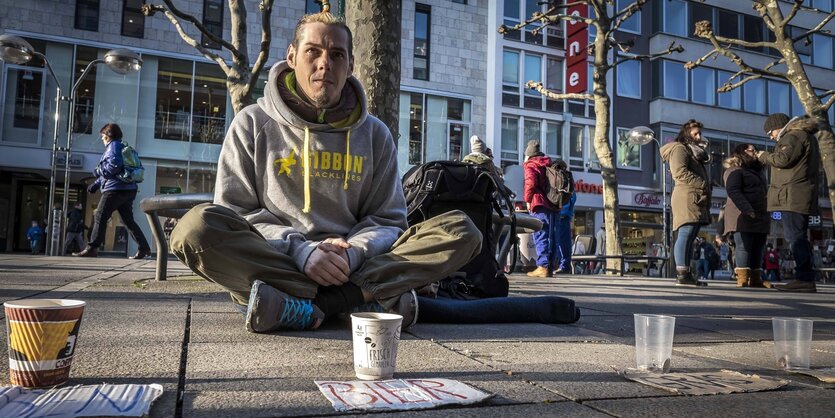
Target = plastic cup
(654,342)
(375,344)
(42,336)
(792,342)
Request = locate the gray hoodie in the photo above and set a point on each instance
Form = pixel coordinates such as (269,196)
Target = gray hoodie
(350,189)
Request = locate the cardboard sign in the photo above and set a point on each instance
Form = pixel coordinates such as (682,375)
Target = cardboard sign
(399,394)
(824,375)
(705,383)
(79,401)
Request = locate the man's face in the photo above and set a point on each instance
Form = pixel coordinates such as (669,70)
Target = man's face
(322,63)
(773,134)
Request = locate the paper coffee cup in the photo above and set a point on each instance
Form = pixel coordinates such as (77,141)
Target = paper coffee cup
(42,336)
(375,344)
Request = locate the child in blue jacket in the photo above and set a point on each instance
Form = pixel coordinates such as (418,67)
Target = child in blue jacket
(34,234)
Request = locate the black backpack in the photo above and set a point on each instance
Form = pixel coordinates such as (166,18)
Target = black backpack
(559,185)
(438,187)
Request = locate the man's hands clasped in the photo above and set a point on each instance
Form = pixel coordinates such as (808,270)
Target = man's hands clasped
(328,263)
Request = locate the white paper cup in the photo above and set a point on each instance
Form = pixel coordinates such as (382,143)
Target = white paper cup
(375,344)
(654,342)
(42,336)
(792,342)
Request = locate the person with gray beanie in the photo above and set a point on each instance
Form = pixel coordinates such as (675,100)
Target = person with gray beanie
(795,170)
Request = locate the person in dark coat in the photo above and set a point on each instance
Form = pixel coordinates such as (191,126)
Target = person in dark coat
(795,173)
(75,228)
(746,213)
(690,200)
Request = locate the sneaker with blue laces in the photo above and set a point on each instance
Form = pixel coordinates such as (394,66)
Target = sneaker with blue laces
(270,309)
(406,306)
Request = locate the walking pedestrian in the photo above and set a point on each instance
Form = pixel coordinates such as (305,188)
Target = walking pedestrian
(746,213)
(34,235)
(772,264)
(563,262)
(795,173)
(690,200)
(546,240)
(117,195)
(600,249)
(75,229)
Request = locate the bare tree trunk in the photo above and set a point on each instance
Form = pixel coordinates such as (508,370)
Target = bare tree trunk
(602,109)
(376,28)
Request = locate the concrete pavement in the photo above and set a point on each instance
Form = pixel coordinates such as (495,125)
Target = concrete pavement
(185,335)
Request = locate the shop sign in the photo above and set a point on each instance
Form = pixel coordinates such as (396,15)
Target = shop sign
(576,50)
(76,160)
(646,199)
(814,220)
(582,187)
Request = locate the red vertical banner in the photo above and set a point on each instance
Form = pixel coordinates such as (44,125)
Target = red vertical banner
(576,51)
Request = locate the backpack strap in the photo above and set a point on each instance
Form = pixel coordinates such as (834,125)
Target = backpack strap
(430,179)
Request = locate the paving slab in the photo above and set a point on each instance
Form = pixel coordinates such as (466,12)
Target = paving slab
(781,403)
(507,332)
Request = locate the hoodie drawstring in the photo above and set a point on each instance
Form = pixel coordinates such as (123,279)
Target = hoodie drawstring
(306,157)
(347,162)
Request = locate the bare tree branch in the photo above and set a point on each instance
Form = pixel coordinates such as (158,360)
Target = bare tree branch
(266,7)
(151,9)
(728,86)
(792,13)
(626,13)
(773,63)
(704,30)
(548,18)
(169,7)
(817,29)
(537,85)
(670,49)
(826,105)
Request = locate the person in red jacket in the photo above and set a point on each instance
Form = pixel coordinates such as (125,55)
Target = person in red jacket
(772,264)
(546,240)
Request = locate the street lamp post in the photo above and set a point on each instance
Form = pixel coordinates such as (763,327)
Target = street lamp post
(641,135)
(121,61)
(16,50)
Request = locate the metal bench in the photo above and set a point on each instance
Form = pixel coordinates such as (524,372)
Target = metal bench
(169,206)
(626,258)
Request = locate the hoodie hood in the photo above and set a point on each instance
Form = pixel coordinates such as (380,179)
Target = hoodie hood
(277,108)
(667,149)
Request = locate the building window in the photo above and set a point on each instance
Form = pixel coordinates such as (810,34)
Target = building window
(822,49)
(553,139)
(778,97)
(754,96)
(797,107)
(629,79)
(311,6)
(87,15)
(675,17)
(675,81)
(753,30)
(803,50)
(432,128)
(460,1)
(510,79)
(209,108)
(553,82)
(532,131)
(86,94)
(576,145)
(731,99)
(629,155)
(728,24)
(422,25)
(510,141)
(213,22)
(703,89)
(173,113)
(699,12)
(531,7)
(133,21)
(633,24)
(533,72)
(512,17)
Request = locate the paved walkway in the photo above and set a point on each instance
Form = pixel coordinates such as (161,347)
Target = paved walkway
(184,334)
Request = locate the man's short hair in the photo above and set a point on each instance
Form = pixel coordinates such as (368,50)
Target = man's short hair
(328,19)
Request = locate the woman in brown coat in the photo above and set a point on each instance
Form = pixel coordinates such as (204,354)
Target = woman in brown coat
(746,213)
(690,200)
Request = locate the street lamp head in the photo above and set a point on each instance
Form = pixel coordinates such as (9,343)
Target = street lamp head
(640,135)
(123,61)
(15,50)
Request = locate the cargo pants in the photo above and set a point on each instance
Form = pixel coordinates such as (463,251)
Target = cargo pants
(221,246)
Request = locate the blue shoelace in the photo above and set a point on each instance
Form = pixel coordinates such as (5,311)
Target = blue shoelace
(297,314)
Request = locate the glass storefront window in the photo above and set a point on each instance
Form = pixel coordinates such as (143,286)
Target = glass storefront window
(629,155)
(432,128)
(86,93)
(209,114)
(173,109)
(553,139)
(23,105)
